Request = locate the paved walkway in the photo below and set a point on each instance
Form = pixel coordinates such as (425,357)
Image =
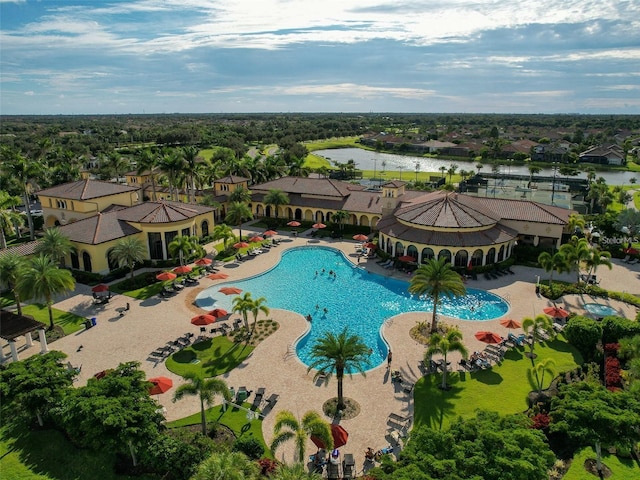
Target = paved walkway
(153,322)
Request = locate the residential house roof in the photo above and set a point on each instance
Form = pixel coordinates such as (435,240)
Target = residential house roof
(325,187)
(86,189)
(99,228)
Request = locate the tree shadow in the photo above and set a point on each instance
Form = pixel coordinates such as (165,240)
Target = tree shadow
(488,376)
(437,403)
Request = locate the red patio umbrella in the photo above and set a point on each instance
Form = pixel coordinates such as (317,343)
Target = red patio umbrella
(218,313)
(631,251)
(488,337)
(160,385)
(510,323)
(370,245)
(230,290)
(556,312)
(165,276)
(100,374)
(217,276)
(339,434)
(203,320)
(256,239)
(360,237)
(182,269)
(240,245)
(270,233)
(294,223)
(203,261)
(406,258)
(319,225)
(100,288)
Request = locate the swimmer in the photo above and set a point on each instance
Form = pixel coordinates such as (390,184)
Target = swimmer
(325,311)
(317,307)
(330,272)
(309,318)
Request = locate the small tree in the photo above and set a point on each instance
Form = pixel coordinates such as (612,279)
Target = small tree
(552,263)
(237,213)
(128,251)
(540,369)
(12,267)
(443,344)
(9,219)
(275,198)
(222,232)
(288,427)
(227,466)
(181,247)
(339,217)
(206,389)
(243,305)
(533,327)
(55,244)
(258,305)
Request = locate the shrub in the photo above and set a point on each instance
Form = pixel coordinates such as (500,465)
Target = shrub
(88,278)
(615,328)
(251,447)
(584,334)
(612,373)
(267,466)
(540,421)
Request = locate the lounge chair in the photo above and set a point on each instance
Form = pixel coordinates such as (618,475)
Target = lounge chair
(626,258)
(348,465)
(634,261)
(333,471)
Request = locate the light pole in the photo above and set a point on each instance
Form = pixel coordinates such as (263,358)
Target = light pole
(553,185)
(417,170)
(400,167)
(375,162)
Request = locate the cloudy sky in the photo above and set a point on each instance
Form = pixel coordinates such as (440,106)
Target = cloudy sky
(200,56)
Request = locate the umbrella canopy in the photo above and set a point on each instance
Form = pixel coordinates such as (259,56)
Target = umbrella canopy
(319,225)
(510,323)
(203,320)
(182,269)
(165,276)
(230,290)
(217,276)
(556,312)
(406,258)
(294,223)
(218,313)
(160,385)
(240,245)
(488,337)
(203,261)
(270,233)
(631,251)
(256,239)
(339,434)
(370,245)
(100,374)
(100,288)
(360,237)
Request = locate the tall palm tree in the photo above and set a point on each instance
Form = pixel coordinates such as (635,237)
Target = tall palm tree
(442,344)
(9,218)
(436,279)
(575,223)
(339,353)
(533,169)
(339,217)
(180,247)
(23,171)
(540,369)
(172,164)
(191,159)
(224,465)
(297,471)
(574,253)
(205,389)
(128,251)
(552,263)
(258,305)
(240,194)
(243,305)
(288,427)
(12,267)
(42,279)
(55,244)
(237,213)
(149,162)
(532,327)
(222,232)
(597,258)
(276,197)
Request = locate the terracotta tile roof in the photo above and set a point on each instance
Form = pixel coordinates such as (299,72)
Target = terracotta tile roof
(99,228)
(526,210)
(86,189)
(325,187)
(394,184)
(162,212)
(231,179)
(24,249)
(363,202)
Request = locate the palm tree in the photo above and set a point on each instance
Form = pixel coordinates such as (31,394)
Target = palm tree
(552,263)
(240,194)
(339,217)
(149,162)
(436,279)
(172,164)
(288,427)
(258,305)
(181,247)
(540,369)
(339,353)
(276,198)
(596,258)
(42,279)
(243,304)
(12,267)
(222,232)
(55,244)
(23,171)
(206,389)
(190,156)
(225,465)
(128,251)
(532,327)
(443,170)
(452,171)
(297,471)
(575,223)
(9,218)
(533,169)
(441,344)
(237,213)
(574,253)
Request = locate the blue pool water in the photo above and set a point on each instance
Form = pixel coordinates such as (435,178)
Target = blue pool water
(600,310)
(355,298)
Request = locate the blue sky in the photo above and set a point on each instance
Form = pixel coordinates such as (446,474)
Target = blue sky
(213,56)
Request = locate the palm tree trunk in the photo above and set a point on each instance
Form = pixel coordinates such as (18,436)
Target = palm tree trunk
(340,376)
(444,372)
(3,239)
(153,187)
(49,303)
(434,320)
(599,458)
(27,210)
(133,454)
(18,303)
(203,417)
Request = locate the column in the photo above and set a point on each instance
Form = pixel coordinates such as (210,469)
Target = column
(29,339)
(43,341)
(14,350)
(536,241)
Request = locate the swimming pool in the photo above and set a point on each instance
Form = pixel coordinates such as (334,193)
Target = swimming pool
(600,310)
(353,297)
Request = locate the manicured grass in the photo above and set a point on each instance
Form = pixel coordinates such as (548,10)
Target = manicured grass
(503,388)
(621,468)
(342,142)
(46,455)
(216,356)
(141,293)
(69,322)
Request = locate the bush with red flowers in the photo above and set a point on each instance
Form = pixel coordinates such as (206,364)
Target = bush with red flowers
(267,466)
(612,375)
(540,421)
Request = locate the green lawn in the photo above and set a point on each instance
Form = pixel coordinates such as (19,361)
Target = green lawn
(69,322)
(212,357)
(503,388)
(621,468)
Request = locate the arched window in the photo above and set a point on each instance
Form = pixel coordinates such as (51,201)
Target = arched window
(112,262)
(501,253)
(205,228)
(399,249)
(491,256)
(412,251)
(476,258)
(86,262)
(75,261)
(427,254)
(446,254)
(462,258)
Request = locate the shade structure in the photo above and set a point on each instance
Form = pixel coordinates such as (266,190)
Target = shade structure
(270,233)
(256,239)
(339,434)
(556,312)
(240,245)
(406,258)
(160,385)
(294,223)
(230,290)
(203,320)
(201,262)
(182,269)
(165,276)
(100,288)
(370,245)
(508,323)
(319,225)
(488,337)
(360,237)
(218,313)
(217,276)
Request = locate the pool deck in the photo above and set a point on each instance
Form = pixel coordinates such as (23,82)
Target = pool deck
(153,322)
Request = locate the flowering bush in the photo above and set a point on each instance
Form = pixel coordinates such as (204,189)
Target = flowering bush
(267,466)
(540,421)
